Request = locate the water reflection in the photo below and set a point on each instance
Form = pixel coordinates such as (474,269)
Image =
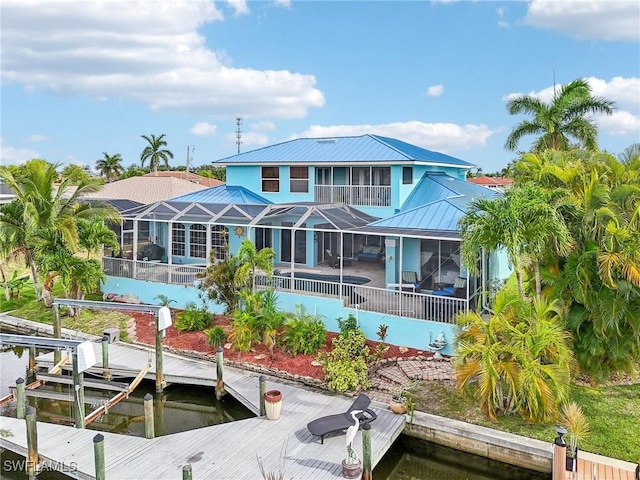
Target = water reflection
(413,459)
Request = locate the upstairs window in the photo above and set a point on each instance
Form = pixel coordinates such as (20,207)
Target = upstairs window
(407,175)
(271,179)
(299,179)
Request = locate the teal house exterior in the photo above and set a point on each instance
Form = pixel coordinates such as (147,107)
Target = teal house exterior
(363,225)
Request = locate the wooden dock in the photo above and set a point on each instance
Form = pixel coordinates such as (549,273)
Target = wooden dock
(227,451)
(594,467)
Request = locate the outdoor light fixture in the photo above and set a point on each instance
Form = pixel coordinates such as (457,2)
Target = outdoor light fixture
(561,431)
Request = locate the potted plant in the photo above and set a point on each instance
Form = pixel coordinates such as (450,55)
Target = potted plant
(402,398)
(572,418)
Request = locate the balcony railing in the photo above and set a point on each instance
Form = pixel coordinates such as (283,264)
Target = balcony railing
(373,299)
(363,195)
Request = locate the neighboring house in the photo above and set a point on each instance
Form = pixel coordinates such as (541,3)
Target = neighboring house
(146,189)
(6,193)
(498,184)
(364,225)
(190,176)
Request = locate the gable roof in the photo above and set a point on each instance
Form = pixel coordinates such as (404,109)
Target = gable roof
(184,175)
(224,194)
(350,150)
(145,189)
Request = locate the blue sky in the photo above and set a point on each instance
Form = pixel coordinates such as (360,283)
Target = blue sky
(84,77)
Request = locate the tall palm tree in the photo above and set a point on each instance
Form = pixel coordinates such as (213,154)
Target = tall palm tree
(566,116)
(110,166)
(251,259)
(41,206)
(154,152)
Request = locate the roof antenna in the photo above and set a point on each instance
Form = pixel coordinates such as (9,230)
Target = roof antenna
(190,150)
(238,132)
(554,83)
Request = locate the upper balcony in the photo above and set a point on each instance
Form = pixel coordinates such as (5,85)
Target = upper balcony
(355,195)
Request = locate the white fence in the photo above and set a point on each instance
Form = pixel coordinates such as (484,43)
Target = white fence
(177,274)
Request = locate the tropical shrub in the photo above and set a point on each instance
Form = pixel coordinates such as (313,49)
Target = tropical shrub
(346,365)
(304,333)
(347,324)
(193,318)
(216,336)
(519,361)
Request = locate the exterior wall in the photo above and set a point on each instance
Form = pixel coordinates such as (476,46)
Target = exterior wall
(402,331)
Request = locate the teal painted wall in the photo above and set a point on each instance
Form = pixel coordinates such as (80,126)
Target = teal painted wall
(402,331)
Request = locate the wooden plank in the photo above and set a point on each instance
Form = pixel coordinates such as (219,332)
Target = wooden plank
(96,384)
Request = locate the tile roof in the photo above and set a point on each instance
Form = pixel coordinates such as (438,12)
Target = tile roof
(491,181)
(145,189)
(361,149)
(192,177)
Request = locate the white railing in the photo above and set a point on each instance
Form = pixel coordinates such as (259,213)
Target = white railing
(177,274)
(373,299)
(363,195)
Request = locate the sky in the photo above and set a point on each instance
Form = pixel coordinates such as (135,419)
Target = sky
(83,77)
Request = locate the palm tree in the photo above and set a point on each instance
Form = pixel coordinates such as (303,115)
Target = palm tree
(566,116)
(94,234)
(154,152)
(110,166)
(250,259)
(42,207)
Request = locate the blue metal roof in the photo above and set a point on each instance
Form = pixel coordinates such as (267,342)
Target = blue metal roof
(436,204)
(436,186)
(224,194)
(360,149)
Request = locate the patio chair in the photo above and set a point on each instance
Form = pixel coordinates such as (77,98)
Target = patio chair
(334,260)
(339,422)
(411,278)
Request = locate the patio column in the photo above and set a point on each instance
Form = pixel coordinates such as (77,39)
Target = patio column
(208,245)
(169,251)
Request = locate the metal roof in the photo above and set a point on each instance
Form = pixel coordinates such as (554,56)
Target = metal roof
(338,215)
(361,149)
(436,186)
(224,194)
(440,216)
(193,212)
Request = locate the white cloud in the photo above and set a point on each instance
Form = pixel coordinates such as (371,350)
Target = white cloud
(249,140)
(263,126)
(37,138)
(593,19)
(240,7)
(441,137)
(15,156)
(435,90)
(625,92)
(204,129)
(282,3)
(146,51)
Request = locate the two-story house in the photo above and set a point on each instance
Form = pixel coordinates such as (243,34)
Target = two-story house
(364,225)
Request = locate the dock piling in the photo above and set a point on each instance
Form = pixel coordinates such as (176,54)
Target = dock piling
(32,442)
(148,416)
(57,332)
(559,455)
(98,454)
(78,392)
(263,390)
(219,373)
(21,403)
(366,451)
(187,472)
(105,357)
(32,361)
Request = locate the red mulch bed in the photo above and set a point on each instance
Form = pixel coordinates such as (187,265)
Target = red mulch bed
(298,365)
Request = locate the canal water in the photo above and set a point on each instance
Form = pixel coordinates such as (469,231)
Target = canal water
(182,408)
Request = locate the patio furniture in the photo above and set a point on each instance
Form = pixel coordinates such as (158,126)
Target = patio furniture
(370,253)
(334,260)
(411,279)
(339,422)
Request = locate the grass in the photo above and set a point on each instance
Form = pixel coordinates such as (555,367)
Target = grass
(613,413)
(89,321)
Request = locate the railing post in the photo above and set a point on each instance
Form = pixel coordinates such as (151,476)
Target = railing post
(263,390)
(78,392)
(21,403)
(148,416)
(98,454)
(219,373)
(32,442)
(366,451)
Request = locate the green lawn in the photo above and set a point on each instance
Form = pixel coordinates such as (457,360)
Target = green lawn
(613,413)
(89,321)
